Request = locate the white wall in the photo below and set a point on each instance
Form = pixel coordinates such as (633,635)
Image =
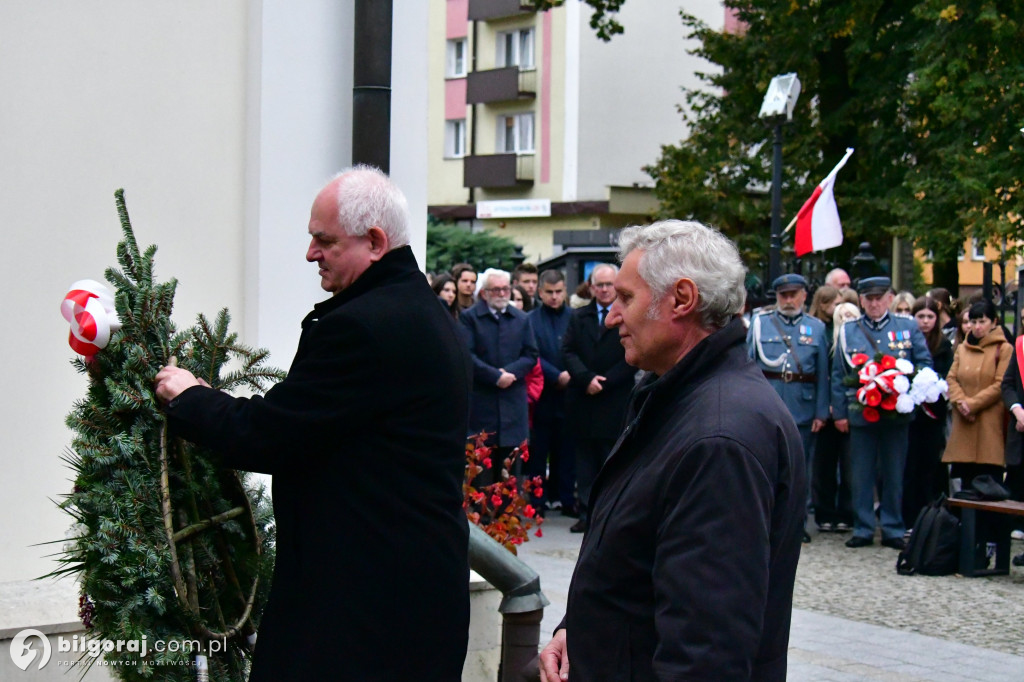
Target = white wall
(629,90)
(96,96)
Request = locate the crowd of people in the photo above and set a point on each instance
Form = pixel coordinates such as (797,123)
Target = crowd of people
(883,471)
(546,371)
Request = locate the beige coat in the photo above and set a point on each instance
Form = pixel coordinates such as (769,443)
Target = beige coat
(975,377)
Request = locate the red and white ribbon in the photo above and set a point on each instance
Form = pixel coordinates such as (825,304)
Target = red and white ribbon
(89,309)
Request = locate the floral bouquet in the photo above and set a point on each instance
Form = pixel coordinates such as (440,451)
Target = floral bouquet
(891,386)
(502,508)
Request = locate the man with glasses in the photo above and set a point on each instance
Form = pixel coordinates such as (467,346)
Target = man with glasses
(502,345)
(600,382)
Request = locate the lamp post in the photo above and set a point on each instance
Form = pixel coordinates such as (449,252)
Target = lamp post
(777,109)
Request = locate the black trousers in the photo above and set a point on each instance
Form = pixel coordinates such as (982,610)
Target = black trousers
(925,476)
(552,457)
(830,482)
(590,456)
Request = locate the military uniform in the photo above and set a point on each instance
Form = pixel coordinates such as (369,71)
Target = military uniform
(799,375)
(879,448)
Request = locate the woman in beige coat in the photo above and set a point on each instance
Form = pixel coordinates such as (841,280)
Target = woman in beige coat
(976,444)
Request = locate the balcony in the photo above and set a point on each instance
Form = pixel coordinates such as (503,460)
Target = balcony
(500,85)
(485,10)
(498,170)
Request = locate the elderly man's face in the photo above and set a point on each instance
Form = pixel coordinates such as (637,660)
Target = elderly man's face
(497,292)
(602,285)
(647,338)
(791,302)
(875,305)
(840,280)
(341,257)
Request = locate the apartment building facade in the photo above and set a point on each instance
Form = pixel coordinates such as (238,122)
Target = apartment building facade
(537,125)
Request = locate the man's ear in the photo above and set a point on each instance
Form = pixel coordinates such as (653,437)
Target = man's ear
(685,298)
(379,243)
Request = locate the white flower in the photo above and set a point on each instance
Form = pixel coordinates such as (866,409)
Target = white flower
(905,366)
(926,376)
(905,404)
(900,384)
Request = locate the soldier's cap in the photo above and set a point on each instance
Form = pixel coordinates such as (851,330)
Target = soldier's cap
(789,282)
(873,285)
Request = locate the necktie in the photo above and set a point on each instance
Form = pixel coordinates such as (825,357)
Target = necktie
(600,317)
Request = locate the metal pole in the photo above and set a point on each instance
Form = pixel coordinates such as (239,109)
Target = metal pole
(371,81)
(775,244)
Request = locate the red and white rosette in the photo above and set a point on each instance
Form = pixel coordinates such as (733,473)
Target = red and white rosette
(89,309)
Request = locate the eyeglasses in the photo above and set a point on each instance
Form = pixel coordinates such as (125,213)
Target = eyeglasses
(500,290)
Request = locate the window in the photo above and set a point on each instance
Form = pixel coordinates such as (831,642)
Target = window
(515,134)
(977,249)
(515,48)
(456,58)
(455,138)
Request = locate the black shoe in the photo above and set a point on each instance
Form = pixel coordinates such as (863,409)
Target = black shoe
(579,527)
(894,543)
(858,541)
(806,538)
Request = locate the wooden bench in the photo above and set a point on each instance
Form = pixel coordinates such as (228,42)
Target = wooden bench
(995,521)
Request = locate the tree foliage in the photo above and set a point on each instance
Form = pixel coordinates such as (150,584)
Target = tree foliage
(449,244)
(167,544)
(603,17)
(928,93)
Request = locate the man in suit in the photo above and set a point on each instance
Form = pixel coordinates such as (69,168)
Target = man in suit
(504,350)
(600,382)
(365,439)
(687,570)
(551,449)
(878,449)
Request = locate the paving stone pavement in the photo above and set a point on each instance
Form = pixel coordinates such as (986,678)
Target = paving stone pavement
(854,618)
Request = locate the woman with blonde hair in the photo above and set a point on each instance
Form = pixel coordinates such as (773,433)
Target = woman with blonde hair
(976,443)
(830,476)
(902,303)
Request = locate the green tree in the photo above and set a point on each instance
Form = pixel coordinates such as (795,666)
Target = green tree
(449,244)
(167,544)
(869,72)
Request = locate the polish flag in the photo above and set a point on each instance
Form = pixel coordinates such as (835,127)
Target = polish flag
(817,224)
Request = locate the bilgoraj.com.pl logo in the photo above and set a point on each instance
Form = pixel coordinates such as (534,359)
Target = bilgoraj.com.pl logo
(29,644)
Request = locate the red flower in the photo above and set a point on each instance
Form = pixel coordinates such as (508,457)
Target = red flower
(529,511)
(496,500)
(487,462)
(888,362)
(479,497)
(871,415)
(538,492)
(859,359)
(873,396)
(539,533)
(889,402)
(524,452)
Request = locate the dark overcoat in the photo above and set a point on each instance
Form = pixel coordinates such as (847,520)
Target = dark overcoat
(590,350)
(502,342)
(549,327)
(687,570)
(365,439)
(1013,393)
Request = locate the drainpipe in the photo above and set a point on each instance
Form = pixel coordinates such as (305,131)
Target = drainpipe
(371,91)
(472,109)
(522,604)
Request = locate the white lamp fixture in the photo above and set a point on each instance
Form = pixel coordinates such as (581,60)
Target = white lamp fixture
(781,97)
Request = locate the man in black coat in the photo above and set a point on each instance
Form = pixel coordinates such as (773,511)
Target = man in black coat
(365,439)
(599,385)
(503,348)
(687,570)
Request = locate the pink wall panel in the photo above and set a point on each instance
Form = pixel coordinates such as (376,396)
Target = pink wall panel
(454,98)
(458,21)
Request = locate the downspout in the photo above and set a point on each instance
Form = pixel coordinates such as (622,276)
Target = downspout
(522,604)
(472,109)
(371,84)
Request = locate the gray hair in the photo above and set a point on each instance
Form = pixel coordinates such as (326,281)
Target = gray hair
(484,280)
(368,198)
(601,266)
(677,249)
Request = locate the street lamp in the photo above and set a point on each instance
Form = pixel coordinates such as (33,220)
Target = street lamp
(777,109)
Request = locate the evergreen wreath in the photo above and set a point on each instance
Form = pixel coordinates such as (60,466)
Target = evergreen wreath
(167,544)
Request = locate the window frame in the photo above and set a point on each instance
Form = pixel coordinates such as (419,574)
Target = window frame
(455,138)
(451,60)
(518,120)
(523,39)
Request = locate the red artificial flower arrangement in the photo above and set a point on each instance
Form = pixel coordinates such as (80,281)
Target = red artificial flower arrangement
(883,386)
